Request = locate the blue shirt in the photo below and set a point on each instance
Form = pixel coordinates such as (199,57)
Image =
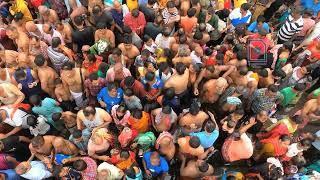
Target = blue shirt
(254,27)
(309,4)
(237,19)
(206,139)
(110,101)
(155,170)
(10,174)
(157,85)
(47,108)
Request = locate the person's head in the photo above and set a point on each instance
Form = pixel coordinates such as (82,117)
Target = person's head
(297,119)
(12,32)
(137,114)
(121,110)
(56,116)
(96,10)
(147,40)
(78,21)
(68,69)
(58,82)
(18,18)
(210,127)
(89,112)
(275,172)
(307,13)
(202,166)
(127,41)
(194,108)
(94,78)
(244,8)
(272,90)
(166,31)
(262,32)
(166,109)
(238,114)
(77,135)
(198,35)
(128,93)
(145,54)
(129,81)
(284,140)
(103,67)
(20,74)
(124,155)
(32,121)
(299,87)
(101,25)
(23,168)
(263,73)
(158,20)
(149,67)
(35,100)
(44,10)
(37,142)
(47,28)
(191,12)
(92,58)
(180,67)
(39,60)
(195,67)
(130,172)
(116,54)
(262,116)
(79,165)
(305,144)
(112,89)
(221,85)
(118,68)
(34,40)
(155,158)
(243,71)
(164,68)
(288,45)
(169,93)
(260,21)
(150,77)
(55,42)
(171,7)
(194,142)
(278,74)
(117,6)
(135,13)
(296,12)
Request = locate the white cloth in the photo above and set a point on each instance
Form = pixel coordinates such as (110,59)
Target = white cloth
(38,171)
(195,59)
(78,98)
(115,173)
(275,162)
(18,119)
(42,127)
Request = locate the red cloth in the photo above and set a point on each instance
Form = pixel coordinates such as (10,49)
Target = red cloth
(211,61)
(262,44)
(136,24)
(92,67)
(312,47)
(278,150)
(37,3)
(280,129)
(138,88)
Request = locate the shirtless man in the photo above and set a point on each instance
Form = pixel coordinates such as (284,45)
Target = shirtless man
(213,89)
(212,72)
(195,169)
(46,75)
(182,45)
(184,57)
(163,118)
(240,78)
(24,61)
(65,30)
(192,121)
(69,119)
(165,145)
(310,110)
(128,50)
(104,33)
(20,38)
(265,78)
(44,146)
(240,61)
(48,15)
(9,58)
(63,95)
(71,79)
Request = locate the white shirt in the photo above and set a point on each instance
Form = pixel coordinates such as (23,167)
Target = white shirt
(38,171)
(19,117)
(293,150)
(42,127)
(195,59)
(115,173)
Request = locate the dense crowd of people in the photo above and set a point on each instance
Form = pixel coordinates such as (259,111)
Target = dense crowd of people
(159,89)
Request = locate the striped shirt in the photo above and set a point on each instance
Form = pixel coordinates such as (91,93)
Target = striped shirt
(170,17)
(289,28)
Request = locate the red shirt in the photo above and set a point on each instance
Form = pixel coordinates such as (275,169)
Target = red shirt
(136,24)
(94,66)
(315,53)
(138,88)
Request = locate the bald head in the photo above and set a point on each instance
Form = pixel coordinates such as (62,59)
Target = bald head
(199,51)
(43,10)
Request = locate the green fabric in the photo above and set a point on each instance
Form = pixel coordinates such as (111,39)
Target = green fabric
(145,140)
(214,21)
(316,92)
(289,95)
(279,62)
(101,74)
(100,47)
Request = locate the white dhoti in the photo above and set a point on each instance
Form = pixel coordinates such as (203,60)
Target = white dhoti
(78,99)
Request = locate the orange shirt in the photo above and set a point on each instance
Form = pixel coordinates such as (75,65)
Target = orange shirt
(188,23)
(141,125)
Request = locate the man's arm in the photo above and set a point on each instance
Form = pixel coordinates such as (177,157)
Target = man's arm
(12,132)
(228,70)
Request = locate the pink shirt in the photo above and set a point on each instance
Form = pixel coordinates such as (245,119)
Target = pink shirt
(308,23)
(137,24)
(111,74)
(49,38)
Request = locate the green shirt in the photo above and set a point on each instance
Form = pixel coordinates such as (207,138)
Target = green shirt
(289,95)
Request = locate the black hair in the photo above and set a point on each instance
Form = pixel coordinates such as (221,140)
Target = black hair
(128,92)
(127,30)
(191,12)
(285,138)
(279,73)
(103,67)
(56,116)
(96,9)
(32,121)
(57,81)
(117,51)
(56,41)
(101,25)
(162,67)
(93,76)
(198,35)
(111,86)
(130,172)
(68,66)
(245,6)
(169,93)
(80,165)
(166,31)
(183,39)
(273,88)
(243,71)
(124,154)
(194,108)
(297,119)
(306,143)
(166,109)
(89,110)
(261,19)
(136,113)
(219,56)
(145,52)
(77,133)
(135,12)
(78,20)
(239,111)
(288,45)
(35,100)
(152,2)
(129,81)
(208,52)
(39,60)
(231,124)
(149,76)
(210,127)
(146,38)
(194,142)
(127,39)
(263,73)
(203,167)
(170,4)
(180,67)
(18,16)
(300,86)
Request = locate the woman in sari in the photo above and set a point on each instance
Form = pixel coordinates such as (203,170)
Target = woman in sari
(140,121)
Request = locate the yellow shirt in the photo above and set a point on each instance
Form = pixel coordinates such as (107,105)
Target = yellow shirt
(21,6)
(238,3)
(132,4)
